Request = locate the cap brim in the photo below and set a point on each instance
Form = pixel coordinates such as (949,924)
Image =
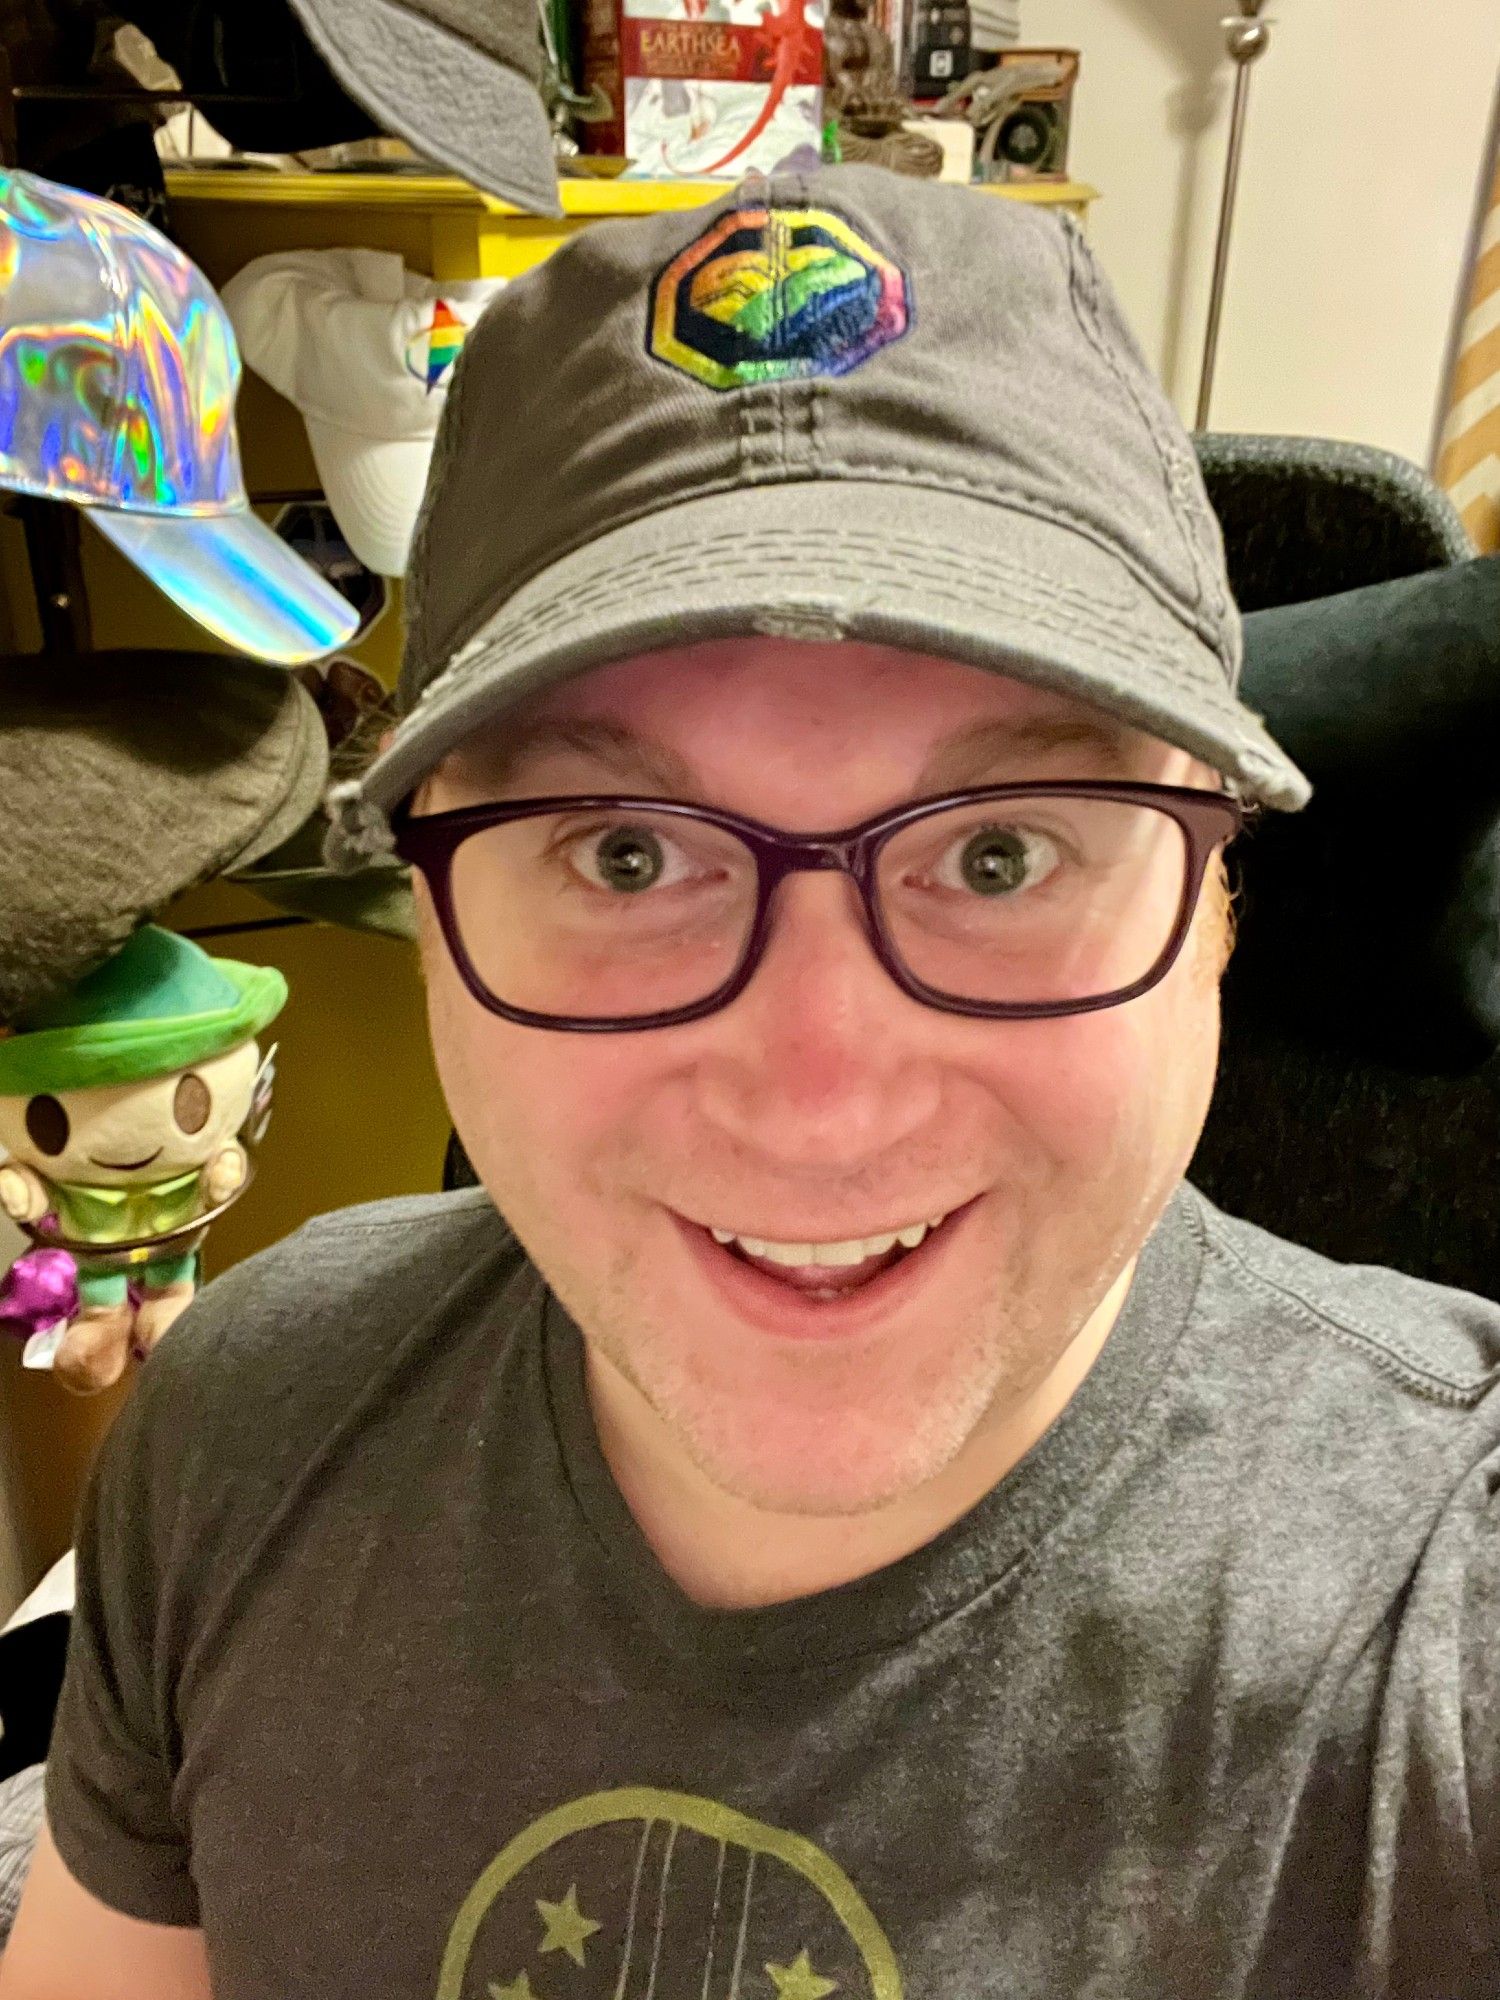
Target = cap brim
(453,103)
(932,572)
(295,879)
(305,782)
(378,900)
(374,487)
(236,578)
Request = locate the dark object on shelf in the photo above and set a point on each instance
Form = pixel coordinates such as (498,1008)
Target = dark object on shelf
(257,77)
(938,50)
(70,110)
(308,527)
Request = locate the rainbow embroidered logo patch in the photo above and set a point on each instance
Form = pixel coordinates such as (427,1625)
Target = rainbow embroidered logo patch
(766,294)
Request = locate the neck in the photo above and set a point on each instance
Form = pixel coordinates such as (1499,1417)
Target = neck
(726,1553)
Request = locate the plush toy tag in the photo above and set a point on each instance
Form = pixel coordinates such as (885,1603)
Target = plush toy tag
(259,1115)
(39,1350)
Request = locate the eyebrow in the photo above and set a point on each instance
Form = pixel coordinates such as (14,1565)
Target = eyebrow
(607,743)
(964,759)
(988,747)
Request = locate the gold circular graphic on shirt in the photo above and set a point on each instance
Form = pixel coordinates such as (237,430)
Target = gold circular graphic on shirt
(680,1895)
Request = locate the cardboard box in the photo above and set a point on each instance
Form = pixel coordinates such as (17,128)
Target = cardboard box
(1029,141)
(1032,143)
(700,97)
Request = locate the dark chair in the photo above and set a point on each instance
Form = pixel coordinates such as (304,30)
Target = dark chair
(1305,517)
(1358,1102)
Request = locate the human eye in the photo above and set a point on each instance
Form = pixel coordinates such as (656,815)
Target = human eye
(626,857)
(996,859)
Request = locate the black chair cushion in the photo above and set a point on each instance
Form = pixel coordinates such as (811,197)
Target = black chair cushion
(1371,920)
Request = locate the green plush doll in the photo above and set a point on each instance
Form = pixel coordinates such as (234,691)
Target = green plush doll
(123,1107)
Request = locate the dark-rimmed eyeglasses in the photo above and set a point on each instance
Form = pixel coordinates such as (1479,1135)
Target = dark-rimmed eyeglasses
(608,913)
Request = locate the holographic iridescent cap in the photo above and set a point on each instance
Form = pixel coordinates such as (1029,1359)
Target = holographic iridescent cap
(118,374)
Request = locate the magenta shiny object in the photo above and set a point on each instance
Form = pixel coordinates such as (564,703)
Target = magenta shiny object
(40,1290)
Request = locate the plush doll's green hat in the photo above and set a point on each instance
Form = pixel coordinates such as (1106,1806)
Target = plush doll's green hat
(160,1004)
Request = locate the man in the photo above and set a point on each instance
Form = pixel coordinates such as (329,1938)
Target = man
(865,1526)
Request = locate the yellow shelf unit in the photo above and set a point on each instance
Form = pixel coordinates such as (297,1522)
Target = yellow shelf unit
(445,227)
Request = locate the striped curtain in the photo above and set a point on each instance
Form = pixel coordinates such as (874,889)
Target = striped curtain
(1469,454)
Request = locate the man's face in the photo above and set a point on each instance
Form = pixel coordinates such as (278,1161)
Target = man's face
(824,1104)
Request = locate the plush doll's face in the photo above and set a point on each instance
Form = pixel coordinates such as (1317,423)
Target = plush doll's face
(117,1135)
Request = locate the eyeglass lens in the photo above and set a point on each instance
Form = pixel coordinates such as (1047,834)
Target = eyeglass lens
(606,914)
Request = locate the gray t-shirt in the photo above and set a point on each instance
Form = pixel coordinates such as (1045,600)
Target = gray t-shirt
(375,1678)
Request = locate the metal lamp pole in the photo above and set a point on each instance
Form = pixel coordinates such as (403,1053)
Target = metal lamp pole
(1247,36)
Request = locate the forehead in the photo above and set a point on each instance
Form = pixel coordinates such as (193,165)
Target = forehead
(717,706)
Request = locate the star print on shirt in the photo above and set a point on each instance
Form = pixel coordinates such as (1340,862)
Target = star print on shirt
(798,1981)
(681,1895)
(566,1926)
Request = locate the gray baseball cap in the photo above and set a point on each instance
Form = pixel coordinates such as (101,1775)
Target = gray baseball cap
(457,78)
(849,406)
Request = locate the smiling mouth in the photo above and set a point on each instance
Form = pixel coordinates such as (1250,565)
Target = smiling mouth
(824,1273)
(123,1166)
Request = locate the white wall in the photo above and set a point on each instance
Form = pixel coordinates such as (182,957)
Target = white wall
(1367,126)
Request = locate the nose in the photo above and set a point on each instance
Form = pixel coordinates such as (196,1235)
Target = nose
(822,1061)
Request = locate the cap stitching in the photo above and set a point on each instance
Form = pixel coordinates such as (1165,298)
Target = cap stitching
(749,474)
(1217,709)
(1083,290)
(1038,509)
(1084,293)
(757,440)
(1058,598)
(747,421)
(810,431)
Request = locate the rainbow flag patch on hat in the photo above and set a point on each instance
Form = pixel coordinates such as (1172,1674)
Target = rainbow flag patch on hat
(767,294)
(444,339)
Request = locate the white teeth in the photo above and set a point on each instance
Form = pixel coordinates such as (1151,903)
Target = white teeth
(853,1250)
(782,1253)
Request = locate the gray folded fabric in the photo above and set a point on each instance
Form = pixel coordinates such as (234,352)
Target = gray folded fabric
(127,777)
